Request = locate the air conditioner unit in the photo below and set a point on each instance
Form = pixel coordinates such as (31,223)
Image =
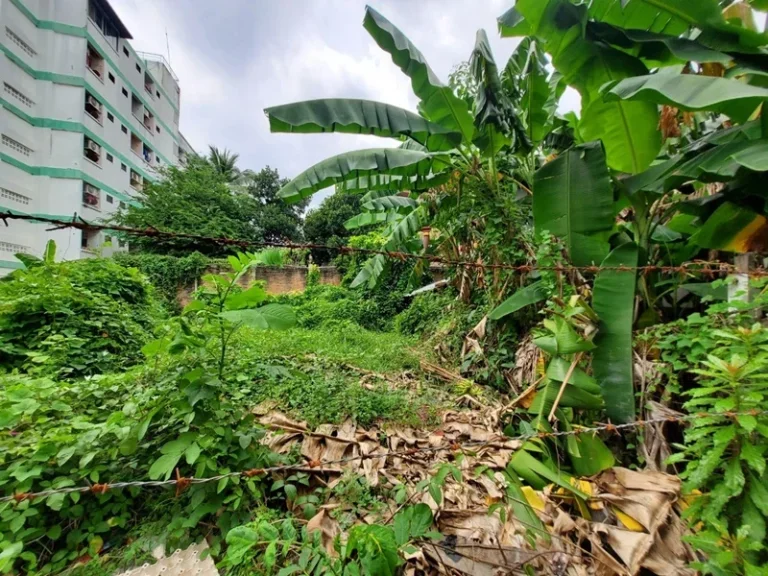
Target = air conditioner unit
(91,145)
(90,189)
(135,179)
(93,102)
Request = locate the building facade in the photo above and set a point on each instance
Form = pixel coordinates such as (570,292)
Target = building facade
(85,121)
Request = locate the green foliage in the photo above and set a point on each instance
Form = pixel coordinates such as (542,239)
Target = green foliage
(424,314)
(168,274)
(268,543)
(313,276)
(75,318)
(721,364)
(325,224)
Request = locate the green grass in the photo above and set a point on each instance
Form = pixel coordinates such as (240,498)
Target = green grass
(348,343)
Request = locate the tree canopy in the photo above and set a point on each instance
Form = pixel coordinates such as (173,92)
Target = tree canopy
(325,224)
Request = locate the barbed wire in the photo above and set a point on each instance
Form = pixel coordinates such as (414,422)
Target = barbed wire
(709,268)
(318,466)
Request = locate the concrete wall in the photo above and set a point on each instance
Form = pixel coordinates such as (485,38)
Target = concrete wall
(278,280)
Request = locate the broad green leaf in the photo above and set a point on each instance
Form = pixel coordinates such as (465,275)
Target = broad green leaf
(703,289)
(253,296)
(9,554)
(234,261)
(390,203)
(521,509)
(163,466)
(438,102)
(638,15)
(531,294)
(528,467)
(573,199)
(758,493)
(735,99)
(655,47)
(558,368)
(614,302)
(370,272)
(593,455)
(49,255)
(353,116)
(192,453)
(29,260)
(406,228)
(367,219)
(573,397)
(628,130)
(392,184)
(734,228)
(390,161)
(268,317)
(512,24)
(412,522)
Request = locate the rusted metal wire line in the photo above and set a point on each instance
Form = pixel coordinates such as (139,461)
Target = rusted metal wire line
(182,483)
(700,267)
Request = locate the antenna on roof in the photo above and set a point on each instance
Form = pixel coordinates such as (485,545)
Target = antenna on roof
(167,46)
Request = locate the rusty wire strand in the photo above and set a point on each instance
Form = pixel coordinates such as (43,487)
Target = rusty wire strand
(699,267)
(317,466)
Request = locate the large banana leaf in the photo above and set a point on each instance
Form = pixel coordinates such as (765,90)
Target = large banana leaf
(573,199)
(614,302)
(353,116)
(734,228)
(629,133)
(406,228)
(656,47)
(638,15)
(268,317)
(389,161)
(438,102)
(369,274)
(531,294)
(512,24)
(493,110)
(367,219)
(691,92)
(390,203)
(392,184)
(721,163)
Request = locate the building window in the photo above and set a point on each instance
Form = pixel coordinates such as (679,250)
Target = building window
(123,128)
(125,51)
(138,68)
(110,158)
(94,62)
(110,200)
(110,117)
(136,181)
(122,205)
(16,39)
(92,150)
(157,93)
(14,196)
(125,92)
(92,107)
(14,248)
(17,146)
(149,120)
(158,129)
(149,84)
(123,167)
(136,144)
(18,95)
(111,77)
(121,243)
(147,154)
(137,108)
(91,196)
(104,22)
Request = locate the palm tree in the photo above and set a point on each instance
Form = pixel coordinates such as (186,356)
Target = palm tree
(225,162)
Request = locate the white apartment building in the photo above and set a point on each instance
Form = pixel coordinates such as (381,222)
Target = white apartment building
(85,120)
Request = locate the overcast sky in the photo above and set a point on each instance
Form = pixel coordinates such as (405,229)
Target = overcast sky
(236,57)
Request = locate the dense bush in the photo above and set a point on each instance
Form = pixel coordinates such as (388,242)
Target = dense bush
(75,318)
(423,315)
(167,273)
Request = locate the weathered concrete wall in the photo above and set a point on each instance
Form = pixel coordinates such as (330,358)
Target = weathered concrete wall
(279,280)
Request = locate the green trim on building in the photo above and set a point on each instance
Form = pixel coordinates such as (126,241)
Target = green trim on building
(67,174)
(82,32)
(68,126)
(82,83)
(12,264)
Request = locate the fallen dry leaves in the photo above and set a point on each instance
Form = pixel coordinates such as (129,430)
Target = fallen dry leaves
(633,526)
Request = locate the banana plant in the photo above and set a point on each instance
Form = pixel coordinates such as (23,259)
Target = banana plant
(450,137)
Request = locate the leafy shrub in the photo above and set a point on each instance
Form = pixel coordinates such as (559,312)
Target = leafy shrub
(167,273)
(424,313)
(75,318)
(313,275)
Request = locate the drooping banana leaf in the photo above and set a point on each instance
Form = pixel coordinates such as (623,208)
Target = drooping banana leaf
(557,369)
(573,199)
(721,163)
(512,24)
(520,507)
(392,184)
(614,302)
(638,15)
(538,474)
(366,219)
(493,110)
(354,116)
(563,338)
(628,132)
(655,47)
(531,294)
(734,228)
(406,228)
(690,92)
(389,203)
(371,271)
(573,397)
(588,454)
(389,161)
(438,102)
(374,194)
